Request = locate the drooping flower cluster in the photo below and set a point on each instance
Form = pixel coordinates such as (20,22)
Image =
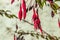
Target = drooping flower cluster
(22,11)
(36,20)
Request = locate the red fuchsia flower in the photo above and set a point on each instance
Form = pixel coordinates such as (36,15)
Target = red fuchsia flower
(37,24)
(20,13)
(12,1)
(15,37)
(36,20)
(24,8)
(59,23)
(35,16)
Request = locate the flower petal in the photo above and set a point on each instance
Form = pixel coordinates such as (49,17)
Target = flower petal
(35,25)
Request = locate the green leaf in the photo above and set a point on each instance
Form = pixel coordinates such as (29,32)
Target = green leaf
(47,38)
(7,15)
(1,14)
(57,0)
(54,6)
(44,1)
(14,16)
(37,36)
(41,4)
(15,31)
(8,11)
(32,34)
(55,37)
(2,11)
(42,36)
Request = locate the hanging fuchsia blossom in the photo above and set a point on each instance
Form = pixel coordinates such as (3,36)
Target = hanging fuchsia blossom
(36,20)
(20,13)
(15,37)
(12,1)
(24,8)
(35,15)
(59,23)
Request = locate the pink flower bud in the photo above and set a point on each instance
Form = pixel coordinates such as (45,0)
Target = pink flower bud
(20,13)
(12,1)
(15,37)
(24,8)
